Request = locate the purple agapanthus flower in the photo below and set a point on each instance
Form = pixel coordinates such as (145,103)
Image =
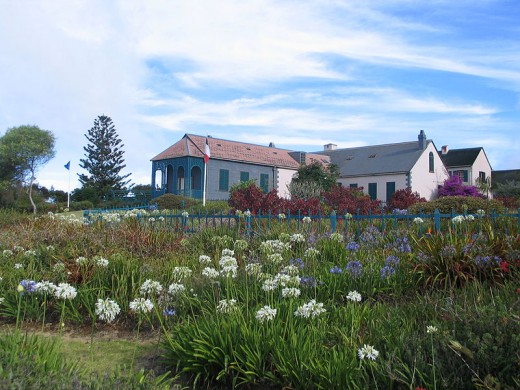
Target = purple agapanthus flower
(392,261)
(387,272)
(355,268)
(29,286)
(297,263)
(308,281)
(336,270)
(352,246)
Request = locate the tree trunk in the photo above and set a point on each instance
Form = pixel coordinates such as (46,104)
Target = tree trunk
(30,194)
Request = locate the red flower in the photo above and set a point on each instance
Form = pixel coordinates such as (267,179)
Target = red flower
(503,266)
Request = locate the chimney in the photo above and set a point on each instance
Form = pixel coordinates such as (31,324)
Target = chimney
(272,145)
(422,140)
(444,149)
(330,147)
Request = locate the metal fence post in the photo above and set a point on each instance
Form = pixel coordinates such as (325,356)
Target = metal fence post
(437,220)
(333,221)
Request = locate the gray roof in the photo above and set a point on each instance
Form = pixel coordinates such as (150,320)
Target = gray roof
(460,157)
(375,160)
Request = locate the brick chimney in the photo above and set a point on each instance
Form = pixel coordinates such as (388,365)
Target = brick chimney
(444,149)
(330,147)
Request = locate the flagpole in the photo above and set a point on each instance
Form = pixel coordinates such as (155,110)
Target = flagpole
(205,181)
(68,193)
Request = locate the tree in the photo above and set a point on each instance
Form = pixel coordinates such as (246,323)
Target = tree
(23,150)
(104,158)
(315,177)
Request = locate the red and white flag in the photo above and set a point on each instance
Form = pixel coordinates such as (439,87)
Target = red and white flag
(207,152)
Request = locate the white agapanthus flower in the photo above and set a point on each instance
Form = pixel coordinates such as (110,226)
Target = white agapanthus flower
(310,309)
(228,252)
(107,309)
(253,269)
(181,273)
(354,296)
(338,237)
(266,313)
(297,237)
(418,220)
(2,299)
(81,260)
(18,266)
(368,351)
(65,291)
(45,287)
(141,305)
(29,253)
(269,285)
(431,329)
(210,272)
(176,289)
(150,287)
(291,292)
(227,306)
(275,258)
(7,253)
(204,259)
(230,271)
(102,262)
(291,270)
(306,220)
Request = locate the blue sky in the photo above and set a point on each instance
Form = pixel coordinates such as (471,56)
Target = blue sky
(300,74)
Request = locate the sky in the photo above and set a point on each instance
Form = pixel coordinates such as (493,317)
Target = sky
(300,74)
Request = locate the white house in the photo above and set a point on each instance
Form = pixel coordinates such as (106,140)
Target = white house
(470,164)
(383,169)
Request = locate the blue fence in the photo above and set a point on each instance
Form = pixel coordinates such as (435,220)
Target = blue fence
(255,223)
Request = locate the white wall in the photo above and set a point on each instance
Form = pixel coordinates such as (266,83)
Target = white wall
(381,180)
(422,180)
(284,177)
(481,164)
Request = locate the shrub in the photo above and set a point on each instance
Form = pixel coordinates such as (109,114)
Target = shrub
(174,202)
(509,202)
(454,187)
(404,198)
(246,196)
(458,204)
(342,199)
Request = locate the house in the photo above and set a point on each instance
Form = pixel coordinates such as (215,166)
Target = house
(470,164)
(180,169)
(383,169)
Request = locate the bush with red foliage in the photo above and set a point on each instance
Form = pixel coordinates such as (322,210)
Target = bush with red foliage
(454,187)
(342,199)
(509,201)
(404,198)
(246,196)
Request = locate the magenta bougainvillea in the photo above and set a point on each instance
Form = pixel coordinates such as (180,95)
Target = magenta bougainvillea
(454,187)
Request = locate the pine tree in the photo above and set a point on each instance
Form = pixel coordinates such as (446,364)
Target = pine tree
(104,158)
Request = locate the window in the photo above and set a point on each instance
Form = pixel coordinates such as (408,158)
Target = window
(372,190)
(264,182)
(223,180)
(244,176)
(390,189)
(482,176)
(353,185)
(462,174)
(431,162)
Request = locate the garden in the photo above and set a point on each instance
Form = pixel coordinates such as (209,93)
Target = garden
(247,302)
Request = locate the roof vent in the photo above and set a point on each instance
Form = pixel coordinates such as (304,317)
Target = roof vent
(372,156)
(349,157)
(272,145)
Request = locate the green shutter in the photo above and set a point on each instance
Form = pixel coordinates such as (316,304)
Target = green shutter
(465,179)
(372,190)
(244,176)
(223,180)
(390,189)
(264,182)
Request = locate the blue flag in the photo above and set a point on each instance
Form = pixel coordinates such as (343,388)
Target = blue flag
(67,165)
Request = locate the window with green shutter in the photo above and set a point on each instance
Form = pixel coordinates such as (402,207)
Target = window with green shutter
(264,182)
(390,189)
(223,180)
(244,176)
(372,190)
(353,185)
